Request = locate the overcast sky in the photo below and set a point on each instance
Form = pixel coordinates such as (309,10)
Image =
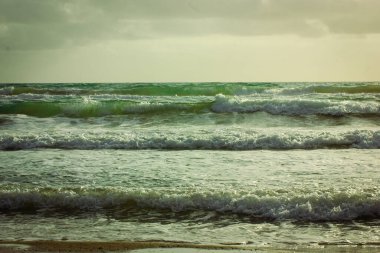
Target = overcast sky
(189,40)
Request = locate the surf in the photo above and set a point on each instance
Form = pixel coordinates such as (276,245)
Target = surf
(104,105)
(186,139)
(323,205)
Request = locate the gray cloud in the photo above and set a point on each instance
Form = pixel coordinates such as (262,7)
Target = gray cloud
(44,24)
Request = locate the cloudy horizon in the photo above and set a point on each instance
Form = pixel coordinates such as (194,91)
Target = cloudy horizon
(194,40)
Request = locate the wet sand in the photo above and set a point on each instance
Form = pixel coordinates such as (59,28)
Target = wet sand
(170,247)
(78,246)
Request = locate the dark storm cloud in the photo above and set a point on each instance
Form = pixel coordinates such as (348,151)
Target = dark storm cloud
(30,11)
(44,24)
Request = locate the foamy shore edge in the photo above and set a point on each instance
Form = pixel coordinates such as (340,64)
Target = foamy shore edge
(19,246)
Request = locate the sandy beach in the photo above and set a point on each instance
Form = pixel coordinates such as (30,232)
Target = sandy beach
(78,246)
(162,246)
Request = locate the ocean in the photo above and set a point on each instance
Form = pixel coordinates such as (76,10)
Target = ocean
(254,164)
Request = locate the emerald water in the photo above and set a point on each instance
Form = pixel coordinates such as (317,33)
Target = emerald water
(264,164)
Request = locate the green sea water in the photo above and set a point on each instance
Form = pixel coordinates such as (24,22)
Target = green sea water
(262,164)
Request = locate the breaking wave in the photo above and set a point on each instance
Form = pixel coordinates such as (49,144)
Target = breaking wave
(293,106)
(182,139)
(105,105)
(7,90)
(321,205)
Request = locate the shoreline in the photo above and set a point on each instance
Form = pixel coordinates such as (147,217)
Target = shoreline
(18,246)
(98,246)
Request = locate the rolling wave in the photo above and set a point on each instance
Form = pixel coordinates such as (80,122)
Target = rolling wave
(147,89)
(294,106)
(349,88)
(92,108)
(103,106)
(186,139)
(187,89)
(320,205)
(366,88)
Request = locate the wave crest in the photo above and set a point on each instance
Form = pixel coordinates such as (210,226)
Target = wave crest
(223,139)
(98,106)
(267,204)
(293,106)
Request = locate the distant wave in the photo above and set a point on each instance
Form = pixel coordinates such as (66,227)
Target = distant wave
(226,139)
(323,205)
(293,106)
(147,89)
(366,88)
(350,88)
(187,89)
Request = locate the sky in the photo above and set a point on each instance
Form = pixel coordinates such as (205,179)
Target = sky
(189,40)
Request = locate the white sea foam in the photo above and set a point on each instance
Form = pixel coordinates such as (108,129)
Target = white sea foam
(293,106)
(102,105)
(229,138)
(326,204)
(7,90)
